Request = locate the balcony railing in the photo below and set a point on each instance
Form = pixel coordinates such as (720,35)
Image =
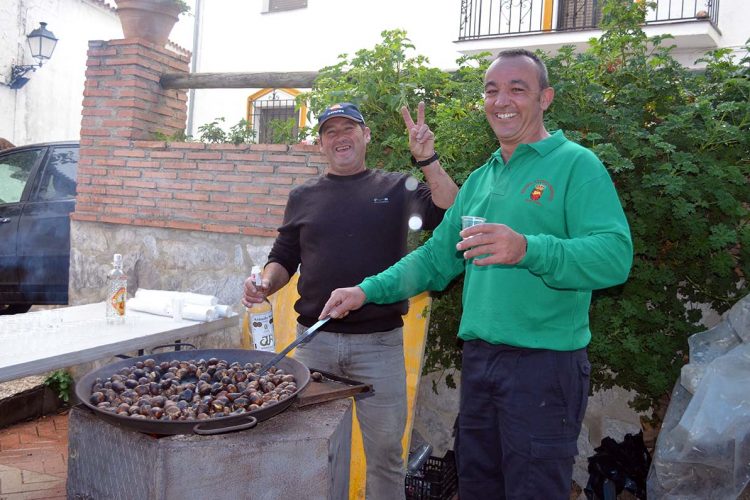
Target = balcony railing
(497,18)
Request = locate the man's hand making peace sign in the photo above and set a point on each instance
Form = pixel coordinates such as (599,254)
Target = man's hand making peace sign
(421,138)
(422,146)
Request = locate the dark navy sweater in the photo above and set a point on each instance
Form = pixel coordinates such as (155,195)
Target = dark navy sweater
(341,229)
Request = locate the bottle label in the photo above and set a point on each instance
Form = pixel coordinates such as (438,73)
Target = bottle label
(261,326)
(118,301)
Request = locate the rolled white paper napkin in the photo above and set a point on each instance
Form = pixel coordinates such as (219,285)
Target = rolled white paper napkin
(187,297)
(159,307)
(195,307)
(198,313)
(159,295)
(198,299)
(224,311)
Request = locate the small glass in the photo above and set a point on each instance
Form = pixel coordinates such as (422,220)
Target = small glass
(471,220)
(177,304)
(54,318)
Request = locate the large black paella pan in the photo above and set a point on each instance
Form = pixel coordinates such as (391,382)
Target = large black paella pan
(236,420)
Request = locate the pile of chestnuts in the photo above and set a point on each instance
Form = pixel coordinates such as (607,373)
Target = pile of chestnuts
(190,390)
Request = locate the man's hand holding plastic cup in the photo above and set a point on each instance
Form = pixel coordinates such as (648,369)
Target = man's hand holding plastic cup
(489,244)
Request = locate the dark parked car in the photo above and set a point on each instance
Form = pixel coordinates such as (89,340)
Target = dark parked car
(37,195)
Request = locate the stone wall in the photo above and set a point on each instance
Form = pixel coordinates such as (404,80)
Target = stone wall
(162,259)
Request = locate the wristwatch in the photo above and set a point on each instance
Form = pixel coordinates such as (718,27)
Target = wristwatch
(424,163)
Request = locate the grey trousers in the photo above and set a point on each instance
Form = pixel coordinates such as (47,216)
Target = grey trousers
(376,359)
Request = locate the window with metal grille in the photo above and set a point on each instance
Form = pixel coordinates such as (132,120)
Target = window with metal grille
(276,121)
(281,5)
(579,14)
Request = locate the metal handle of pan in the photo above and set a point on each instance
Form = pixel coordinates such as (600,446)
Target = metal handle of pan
(176,345)
(251,422)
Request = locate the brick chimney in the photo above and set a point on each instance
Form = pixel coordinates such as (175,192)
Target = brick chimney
(122,96)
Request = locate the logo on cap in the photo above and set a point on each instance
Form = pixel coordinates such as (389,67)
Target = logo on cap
(344,110)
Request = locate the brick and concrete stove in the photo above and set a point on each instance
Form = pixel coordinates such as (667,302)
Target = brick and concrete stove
(300,453)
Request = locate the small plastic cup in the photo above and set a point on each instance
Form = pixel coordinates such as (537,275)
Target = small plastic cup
(471,220)
(177,304)
(54,319)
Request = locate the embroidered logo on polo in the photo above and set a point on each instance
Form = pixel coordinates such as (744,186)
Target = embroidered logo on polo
(538,191)
(380,200)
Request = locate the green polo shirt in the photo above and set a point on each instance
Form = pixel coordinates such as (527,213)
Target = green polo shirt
(561,198)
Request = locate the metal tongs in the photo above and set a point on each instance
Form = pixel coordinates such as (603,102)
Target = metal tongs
(305,337)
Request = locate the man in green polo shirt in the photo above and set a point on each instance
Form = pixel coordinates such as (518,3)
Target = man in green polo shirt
(555,231)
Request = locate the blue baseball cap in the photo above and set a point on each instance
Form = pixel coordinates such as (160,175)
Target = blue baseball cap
(343,109)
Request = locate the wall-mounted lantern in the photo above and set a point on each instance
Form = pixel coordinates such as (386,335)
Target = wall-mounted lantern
(42,44)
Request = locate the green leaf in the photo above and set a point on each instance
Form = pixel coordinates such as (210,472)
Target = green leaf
(61,382)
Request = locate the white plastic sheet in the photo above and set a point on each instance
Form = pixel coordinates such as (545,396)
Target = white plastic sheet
(703,450)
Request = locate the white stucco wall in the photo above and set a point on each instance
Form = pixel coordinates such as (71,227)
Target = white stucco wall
(733,27)
(236,36)
(308,39)
(733,23)
(48,107)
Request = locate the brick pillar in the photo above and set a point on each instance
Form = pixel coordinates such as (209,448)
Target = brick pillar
(122,96)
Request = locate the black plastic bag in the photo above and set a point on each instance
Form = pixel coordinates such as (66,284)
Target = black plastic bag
(615,467)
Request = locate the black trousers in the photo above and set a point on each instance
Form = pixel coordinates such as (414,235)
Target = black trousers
(519,418)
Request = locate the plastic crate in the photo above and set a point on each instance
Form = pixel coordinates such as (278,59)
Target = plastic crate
(436,479)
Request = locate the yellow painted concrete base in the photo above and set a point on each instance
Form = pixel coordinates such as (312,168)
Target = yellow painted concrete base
(415,335)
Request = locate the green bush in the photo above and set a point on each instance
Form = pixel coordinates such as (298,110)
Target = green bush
(239,133)
(676,142)
(677,145)
(285,131)
(382,80)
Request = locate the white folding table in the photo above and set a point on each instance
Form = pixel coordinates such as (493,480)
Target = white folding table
(37,342)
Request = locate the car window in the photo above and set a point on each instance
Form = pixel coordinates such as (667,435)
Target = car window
(15,169)
(59,176)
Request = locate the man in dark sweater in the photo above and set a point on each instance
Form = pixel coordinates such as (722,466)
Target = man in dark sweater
(350,223)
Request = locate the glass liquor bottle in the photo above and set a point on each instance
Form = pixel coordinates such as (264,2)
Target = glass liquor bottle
(260,319)
(117,292)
